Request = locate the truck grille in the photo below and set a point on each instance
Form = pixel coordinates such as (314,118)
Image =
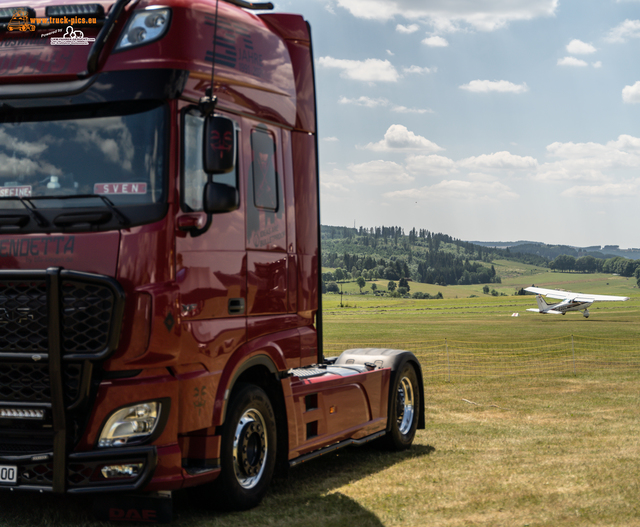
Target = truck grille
(34,444)
(86,316)
(30,383)
(53,325)
(23,316)
(86,320)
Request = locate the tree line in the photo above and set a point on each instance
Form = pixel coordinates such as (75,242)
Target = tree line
(387,253)
(588,264)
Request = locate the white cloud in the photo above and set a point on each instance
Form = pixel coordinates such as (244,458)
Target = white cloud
(390,53)
(379,172)
(485,86)
(335,181)
(24,147)
(577,47)
(484,15)
(417,69)
(499,160)
(631,94)
(370,102)
(597,64)
(611,151)
(481,176)
(572,61)
(431,165)
(399,139)
(407,29)
(404,109)
(117,149)
(331,139)
(333,186)
(29,167)
(369,70)
(435,42)
(364,101)
(624,31)
(627,189)
(458,190)
(592,161)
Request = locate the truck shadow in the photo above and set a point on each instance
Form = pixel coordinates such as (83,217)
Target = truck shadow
(308,497)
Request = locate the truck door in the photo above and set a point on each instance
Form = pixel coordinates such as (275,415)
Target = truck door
(271,278)
(210,268)
(266,227)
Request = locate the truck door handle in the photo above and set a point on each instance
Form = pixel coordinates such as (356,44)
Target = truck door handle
(236,306)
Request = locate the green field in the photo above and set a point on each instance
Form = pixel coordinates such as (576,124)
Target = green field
(365,318)
(504,452)
(540,450)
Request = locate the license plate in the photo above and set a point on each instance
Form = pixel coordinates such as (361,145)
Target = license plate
(8,474)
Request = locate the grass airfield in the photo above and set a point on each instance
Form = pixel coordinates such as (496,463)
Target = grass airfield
(467,314)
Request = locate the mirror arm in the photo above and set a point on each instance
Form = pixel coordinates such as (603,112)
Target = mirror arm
(195,232)
(207,104)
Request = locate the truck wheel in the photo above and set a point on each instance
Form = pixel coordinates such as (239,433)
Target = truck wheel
(404,409)
(248,450)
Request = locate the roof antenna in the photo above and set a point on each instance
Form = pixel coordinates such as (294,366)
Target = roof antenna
(208,103)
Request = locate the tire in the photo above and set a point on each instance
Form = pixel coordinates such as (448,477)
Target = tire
(248,450)
(404,409)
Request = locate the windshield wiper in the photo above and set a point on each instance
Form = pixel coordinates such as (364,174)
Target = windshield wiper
(39,218)
(123,219)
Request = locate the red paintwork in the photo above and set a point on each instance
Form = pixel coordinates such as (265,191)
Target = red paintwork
(89,252)
(166,272)
(359,409)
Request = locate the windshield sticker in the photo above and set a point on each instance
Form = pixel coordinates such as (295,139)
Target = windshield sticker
(15,192)
(120,188)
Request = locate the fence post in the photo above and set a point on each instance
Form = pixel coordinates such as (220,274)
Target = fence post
(446,347)
(573,353)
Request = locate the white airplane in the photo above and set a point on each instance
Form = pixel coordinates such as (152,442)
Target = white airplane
(569,301)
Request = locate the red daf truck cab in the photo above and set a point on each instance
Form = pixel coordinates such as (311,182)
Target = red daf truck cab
(160,318)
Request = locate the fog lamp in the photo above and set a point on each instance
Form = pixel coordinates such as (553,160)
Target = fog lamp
(130,470)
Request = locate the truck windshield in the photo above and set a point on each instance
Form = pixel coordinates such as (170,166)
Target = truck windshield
(116,151)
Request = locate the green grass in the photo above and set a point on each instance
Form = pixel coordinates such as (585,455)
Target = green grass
(501,451)
(373,319)
(558,451)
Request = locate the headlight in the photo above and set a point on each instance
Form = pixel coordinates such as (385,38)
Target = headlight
(144,27)
(130,425)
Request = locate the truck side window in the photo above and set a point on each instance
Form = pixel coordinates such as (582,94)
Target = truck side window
(193,177)
(265,181)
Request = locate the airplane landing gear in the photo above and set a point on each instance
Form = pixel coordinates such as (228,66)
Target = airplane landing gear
(585,313)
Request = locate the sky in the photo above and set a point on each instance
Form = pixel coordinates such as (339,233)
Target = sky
(487,120)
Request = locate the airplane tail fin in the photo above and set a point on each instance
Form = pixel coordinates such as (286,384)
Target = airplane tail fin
(541,303)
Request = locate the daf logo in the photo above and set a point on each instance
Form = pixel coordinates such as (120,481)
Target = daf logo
(19,315)
(36,358)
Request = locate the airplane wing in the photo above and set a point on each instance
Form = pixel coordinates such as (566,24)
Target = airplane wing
(551,293)
(577,297)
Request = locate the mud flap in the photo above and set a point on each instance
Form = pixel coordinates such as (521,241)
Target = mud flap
(153,507)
